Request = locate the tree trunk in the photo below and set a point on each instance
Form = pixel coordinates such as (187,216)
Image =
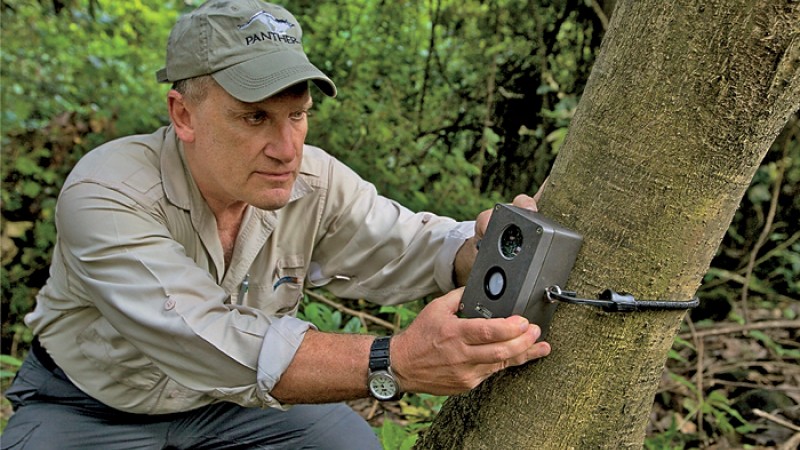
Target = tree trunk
(681,106)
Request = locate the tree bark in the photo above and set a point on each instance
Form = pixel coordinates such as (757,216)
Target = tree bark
(681,106)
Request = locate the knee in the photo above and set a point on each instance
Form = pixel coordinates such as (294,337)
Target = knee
(342,429)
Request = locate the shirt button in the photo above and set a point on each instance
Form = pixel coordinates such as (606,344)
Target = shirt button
(169,304)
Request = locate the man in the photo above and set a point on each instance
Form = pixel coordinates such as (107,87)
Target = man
(169,319)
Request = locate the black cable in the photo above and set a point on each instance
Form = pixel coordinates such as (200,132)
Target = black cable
(614,302)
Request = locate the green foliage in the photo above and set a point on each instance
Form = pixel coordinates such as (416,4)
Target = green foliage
(419,411)
(671,439)
(714,407)
(403,314)
(780,351)
(9,366)
(81,62)
(761,251)
(326,318)
(437,100)
(396,437)
(71,79)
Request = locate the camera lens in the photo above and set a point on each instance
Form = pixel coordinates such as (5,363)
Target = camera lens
(511,241)
(495,283)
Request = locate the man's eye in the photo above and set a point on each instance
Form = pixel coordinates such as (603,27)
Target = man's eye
(256,118)
(298,115)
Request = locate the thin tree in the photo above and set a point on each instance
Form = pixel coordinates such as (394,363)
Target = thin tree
(681,106)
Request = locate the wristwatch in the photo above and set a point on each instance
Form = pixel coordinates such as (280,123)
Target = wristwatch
(381,381)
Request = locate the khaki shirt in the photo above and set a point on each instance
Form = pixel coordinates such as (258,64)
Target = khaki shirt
(142,314)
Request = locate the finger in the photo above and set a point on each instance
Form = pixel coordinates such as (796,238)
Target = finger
(481,222)
(447,303)
(536,351)
(525,201)
(479,331)
(510,352)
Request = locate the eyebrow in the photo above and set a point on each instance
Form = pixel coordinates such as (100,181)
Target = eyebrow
(240,105)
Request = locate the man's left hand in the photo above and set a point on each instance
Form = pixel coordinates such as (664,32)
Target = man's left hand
(469,250)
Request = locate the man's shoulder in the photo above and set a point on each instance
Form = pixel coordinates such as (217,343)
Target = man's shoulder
(320,168)
(131,162)
(315,161)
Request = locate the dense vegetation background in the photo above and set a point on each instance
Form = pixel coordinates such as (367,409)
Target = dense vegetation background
(446,105)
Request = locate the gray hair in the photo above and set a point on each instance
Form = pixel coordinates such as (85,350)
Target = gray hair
(194,90)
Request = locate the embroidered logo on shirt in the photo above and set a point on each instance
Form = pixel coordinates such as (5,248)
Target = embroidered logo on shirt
(283,280)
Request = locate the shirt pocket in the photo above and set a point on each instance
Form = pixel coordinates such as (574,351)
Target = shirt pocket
(109,352)
(280,293)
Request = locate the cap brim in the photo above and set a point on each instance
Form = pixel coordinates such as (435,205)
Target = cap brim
(265,76)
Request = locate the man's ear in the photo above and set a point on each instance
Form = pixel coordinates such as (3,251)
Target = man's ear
(181,116)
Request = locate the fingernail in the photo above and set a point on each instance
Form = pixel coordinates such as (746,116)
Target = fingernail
(523,325)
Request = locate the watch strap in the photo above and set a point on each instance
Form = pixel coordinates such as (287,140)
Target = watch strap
(379,354)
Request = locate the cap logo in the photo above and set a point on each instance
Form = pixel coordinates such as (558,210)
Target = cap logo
(277,29)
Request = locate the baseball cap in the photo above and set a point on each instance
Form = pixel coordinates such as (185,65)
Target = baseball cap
(253,49)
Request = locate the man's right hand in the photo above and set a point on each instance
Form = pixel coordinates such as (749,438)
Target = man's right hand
(443,354)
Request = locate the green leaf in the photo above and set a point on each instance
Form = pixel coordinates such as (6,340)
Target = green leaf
(354,326)
(31,189)
(26,166)
(395,437)
(10,360)
(759,193)
(672,354)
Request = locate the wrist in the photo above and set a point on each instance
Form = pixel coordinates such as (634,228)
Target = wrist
(381,380)
(401,362)
(464,259)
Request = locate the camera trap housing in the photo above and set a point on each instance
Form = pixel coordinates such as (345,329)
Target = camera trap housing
(521,254)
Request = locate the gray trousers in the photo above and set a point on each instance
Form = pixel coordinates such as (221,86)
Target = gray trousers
(51,413)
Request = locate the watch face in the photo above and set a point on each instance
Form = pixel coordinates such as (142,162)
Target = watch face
(382,386)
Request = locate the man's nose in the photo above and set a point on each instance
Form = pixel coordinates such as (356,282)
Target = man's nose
(281,143)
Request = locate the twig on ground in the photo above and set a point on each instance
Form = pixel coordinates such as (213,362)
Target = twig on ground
(698,344)
(372,410)
(763,387)
(730,329)
(779,420)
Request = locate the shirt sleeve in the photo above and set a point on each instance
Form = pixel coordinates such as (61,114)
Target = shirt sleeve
(126,264)
(374,248)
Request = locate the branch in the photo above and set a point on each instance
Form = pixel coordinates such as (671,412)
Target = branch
(431,52)
(731,329)
(735,277)
(491,82)
(776,419)
(699,344)
(762,238)
(741,384)
(600,14)
(360,314)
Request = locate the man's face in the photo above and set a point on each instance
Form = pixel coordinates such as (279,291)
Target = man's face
(247,152)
